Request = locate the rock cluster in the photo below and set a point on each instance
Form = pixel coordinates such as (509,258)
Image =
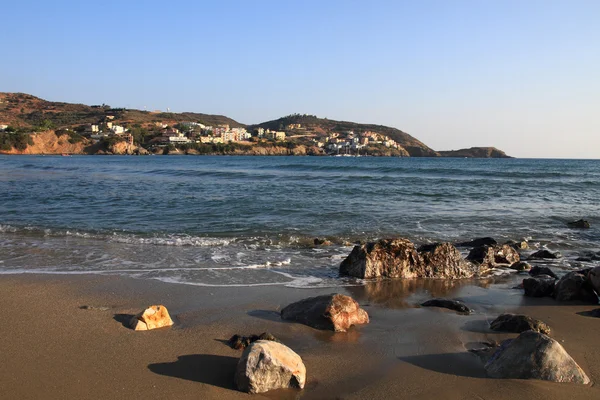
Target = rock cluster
(152,317)
(490,256)
(334,312)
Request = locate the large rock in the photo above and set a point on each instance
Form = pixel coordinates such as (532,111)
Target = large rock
(443,260)
(517,323)
(398,258)
(490,256)
(540,286)
(533,355)
(594,278)
(391,258)
(575,286)
(334,312)
(267,365)
(152,317)
(536,271)
(544,254)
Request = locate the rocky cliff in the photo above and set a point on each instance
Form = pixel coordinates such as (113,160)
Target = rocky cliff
(49,143)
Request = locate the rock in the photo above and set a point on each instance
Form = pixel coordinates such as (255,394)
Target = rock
(490,256)
(580,224)
(535,271)
(447,303)
(520,266)
(443,260)
(575,286)
(539,287)
(391,258)
(595,313)
(544,254)
(334,312)
(594,278)
(241,342)
(522,245)
(322,242)
(517,323)
(266,365)
(533,355)
(486,241)
(152,317)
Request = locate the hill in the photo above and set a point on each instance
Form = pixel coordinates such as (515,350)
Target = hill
(475,152)
(314,126)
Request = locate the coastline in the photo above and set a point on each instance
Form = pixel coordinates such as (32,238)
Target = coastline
(57,350)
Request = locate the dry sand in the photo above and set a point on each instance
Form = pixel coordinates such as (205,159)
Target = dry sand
(53,349)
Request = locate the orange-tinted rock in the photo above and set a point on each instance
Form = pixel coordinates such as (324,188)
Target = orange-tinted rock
(152,317)
(334,312)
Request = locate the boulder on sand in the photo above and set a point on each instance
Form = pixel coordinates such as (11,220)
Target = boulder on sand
(447,303)
(152,317)
(267,365)
(517,323)
(334,312)
(539,286)
(398,258)
(575,286)
(533,355)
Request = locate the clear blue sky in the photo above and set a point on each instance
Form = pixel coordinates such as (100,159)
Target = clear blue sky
(523,75)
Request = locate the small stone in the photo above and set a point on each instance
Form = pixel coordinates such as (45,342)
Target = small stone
(517,323)
(266,365)
(152,317)
(322,242)
(544,254)
(520,266)
(455,305)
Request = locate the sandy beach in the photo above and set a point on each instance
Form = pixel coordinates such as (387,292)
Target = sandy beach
(54,349)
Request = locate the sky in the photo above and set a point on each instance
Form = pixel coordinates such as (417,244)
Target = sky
(523,76)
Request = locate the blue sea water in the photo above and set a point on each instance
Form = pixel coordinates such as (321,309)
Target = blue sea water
(252,220)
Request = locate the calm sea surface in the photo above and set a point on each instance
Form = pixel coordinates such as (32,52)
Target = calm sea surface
(252,220)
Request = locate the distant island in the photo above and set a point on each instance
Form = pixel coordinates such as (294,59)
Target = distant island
(30,125)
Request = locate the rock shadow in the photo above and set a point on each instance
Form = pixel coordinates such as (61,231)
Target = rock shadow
(123,319)
(592,313)
(269,315)
(204,368)
(457,364)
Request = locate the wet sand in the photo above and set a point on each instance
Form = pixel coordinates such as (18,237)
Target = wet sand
(53,349)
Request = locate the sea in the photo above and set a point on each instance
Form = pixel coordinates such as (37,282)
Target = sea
(252,221)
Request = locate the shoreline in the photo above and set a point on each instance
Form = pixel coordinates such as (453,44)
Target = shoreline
(58,350)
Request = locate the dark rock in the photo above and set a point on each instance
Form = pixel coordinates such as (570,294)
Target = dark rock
(334,312)
(491,256)
(595,313)
(522,245)
(533,355)
(580,224)
(520,266)
(517,323)
(241,342)
(447,303)
(322,242)
(486,241)
(443,260)
(575,286)
(539,287)
(535,271)
(398,258)
(544,254)
(594,278)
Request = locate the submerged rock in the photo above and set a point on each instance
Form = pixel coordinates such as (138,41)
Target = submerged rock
(517,323)
(575,286)
(241,342)
(334,312)
(579,224)
(267,365)
(539,286)
(533,355)
(520,266)
(544,254)
(486,241)
(536,271)
(447,303)
(152,317)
